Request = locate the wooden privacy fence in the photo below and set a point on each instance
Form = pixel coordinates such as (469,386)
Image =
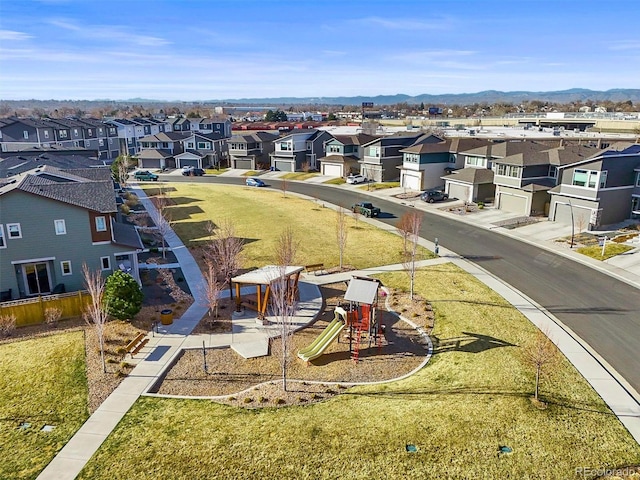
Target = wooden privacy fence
(30,311)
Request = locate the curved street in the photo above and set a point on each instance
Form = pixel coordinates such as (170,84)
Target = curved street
(603,311)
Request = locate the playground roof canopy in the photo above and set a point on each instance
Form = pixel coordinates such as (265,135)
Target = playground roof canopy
(267,274)
(362,290)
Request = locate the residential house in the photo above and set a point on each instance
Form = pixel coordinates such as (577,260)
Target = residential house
(299,150)
(251,151)
(523,179)
(202,150)
(52,221)
(343,154)
(159,151)
(25,133)
(101,138)
(601,190)
(424,162)
(15,163)
(382,157)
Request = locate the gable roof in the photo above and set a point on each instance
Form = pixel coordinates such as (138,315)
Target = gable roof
(65,186)
(165,137)
(14,163)
(474,176)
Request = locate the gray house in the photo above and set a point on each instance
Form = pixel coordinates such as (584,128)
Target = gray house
(159,151)
(299,149)
(202,150)
(382,157)
(600,190)
(343,154)
(252,150)
(51,222)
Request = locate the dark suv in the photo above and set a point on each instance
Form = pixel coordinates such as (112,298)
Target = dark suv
(434,196)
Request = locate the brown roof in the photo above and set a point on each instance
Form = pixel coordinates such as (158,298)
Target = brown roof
(471,175)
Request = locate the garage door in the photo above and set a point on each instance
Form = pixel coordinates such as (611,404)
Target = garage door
(332,170)
(562,214)
(411,182)
(188,162)
(513,203)
(150,163)
(461,192)
(284,166)
(244,163)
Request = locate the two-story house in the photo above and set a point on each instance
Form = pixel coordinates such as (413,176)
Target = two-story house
(299,150)
(202,150)
(251,151)
(600,190)
(159,151)
(26,133)
(52,221)
(382,157)
(343,154)
(15,163)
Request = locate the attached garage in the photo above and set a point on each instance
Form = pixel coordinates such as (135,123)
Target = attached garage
(411,180)
(513,203)
(562,214)
(148,163)
(243,163)
(332,169)
(187,162)
(459,191)
(284,166)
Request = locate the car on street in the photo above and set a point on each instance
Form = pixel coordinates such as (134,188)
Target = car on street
(434,196)
(145,175)
(192,172)
(254,182)
(354,179)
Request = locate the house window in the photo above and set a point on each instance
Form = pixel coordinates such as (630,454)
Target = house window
(101,224)
(76,143)
(638,179)
(105,263)
(25,134)
(585,178)
(46,133)
(603,179)
(101,142)
(553,171)
(411,158)
(508,170)
(204,146)
(3,244)
(476,161)
(334,148)
(62,133)
(190,145)
(309,145)
(14,230)
(61,228)
(75,132)
(89,131)
(285,146)
(65,266)
(374,151)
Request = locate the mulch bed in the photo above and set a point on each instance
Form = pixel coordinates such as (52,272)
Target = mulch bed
(401,351)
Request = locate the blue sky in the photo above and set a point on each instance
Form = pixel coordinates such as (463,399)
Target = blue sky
(216,49)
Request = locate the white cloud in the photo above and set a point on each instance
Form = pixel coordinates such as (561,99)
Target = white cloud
(627,45)
(110,33)
(404,23)
(11,35)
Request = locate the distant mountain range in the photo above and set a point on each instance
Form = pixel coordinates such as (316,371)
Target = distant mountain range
(488,96)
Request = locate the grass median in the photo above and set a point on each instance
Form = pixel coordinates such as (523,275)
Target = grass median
(42,382)
(472,398)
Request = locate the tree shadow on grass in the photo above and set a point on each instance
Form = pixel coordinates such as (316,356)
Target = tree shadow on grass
(469,343)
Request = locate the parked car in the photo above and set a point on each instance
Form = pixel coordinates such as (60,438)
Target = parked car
(356,179)
(434,196)
(254,182)
(192,171)
(366,208)
(145,175)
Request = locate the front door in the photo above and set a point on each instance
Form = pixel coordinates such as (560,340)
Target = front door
(36,278)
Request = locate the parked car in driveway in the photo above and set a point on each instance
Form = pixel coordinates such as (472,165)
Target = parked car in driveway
(254,182)
(353,179)
(434,196)
(192,171)
(145,175)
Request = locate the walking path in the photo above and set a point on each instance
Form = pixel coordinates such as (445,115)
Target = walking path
(248,337)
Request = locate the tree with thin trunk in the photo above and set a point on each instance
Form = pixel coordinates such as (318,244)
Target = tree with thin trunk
(123,170)
(161,217)
(95,313)
(582,220)
(212,289)
(542,355)
(342,232)
(412,225)
(225,250)
(404,229)
(284,296)
(284,184)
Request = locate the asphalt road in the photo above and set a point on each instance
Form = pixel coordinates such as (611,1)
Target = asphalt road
(600,309)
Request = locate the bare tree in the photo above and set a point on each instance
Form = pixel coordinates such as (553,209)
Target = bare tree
(284,296)
(161,217)
(356,216)
(582,220)
(284,184)
(404,229)
(542,355)
(95,313)
(212,289)
(341,232)
(412,226)
(123,170)
(225,250)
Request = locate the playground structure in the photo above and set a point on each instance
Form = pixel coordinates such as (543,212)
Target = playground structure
(360,316)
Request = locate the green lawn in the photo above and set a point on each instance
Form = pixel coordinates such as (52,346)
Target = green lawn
(261,215)
(470,399)
(298,175)
(610,250)
(42,382)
